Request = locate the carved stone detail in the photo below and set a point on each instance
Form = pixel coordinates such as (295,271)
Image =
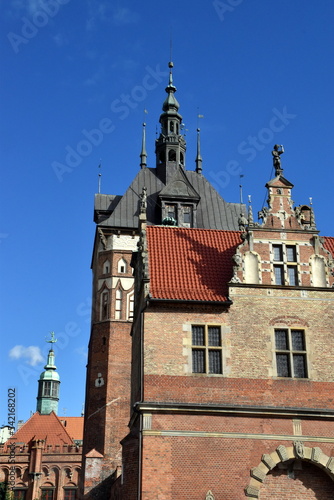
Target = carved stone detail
(252,492)
(330,465)
(282,453)
(258,474)
(299,449)
(268,461)
(209,496)
(102,238)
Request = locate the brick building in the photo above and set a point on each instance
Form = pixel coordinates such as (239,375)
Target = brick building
(42,459)
(224,390)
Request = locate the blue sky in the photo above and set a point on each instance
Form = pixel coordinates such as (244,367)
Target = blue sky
(76,78)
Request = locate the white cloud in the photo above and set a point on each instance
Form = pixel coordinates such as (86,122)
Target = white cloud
(32,354)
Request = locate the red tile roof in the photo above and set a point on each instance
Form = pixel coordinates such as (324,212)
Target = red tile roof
(74,426)
(47,427)
(329,244)
(190,264)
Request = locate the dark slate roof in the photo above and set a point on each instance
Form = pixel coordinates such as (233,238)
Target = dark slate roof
(122,212)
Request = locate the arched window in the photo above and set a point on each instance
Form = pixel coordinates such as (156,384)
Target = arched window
(104,305)
(181,158)
(171,126)
(172,155)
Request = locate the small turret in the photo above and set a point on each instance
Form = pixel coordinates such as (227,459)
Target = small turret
(48,384)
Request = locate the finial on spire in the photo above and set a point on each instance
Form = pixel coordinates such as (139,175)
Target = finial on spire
(143,154)
(198,160)
(277,152)
(53,339)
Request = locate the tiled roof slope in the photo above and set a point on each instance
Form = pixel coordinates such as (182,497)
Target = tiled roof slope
(74,426)
(190,264)
(47,427)
(329,244)
(212,212)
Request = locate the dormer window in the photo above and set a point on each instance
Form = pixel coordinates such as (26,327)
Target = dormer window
(285,265)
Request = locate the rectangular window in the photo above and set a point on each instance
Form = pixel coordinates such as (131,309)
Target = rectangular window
(19,494)
(47,389)
(290,353)
(70,494)
(187,216)
(278,252)
(285,266)
(47,495)
(279,275)
(206,349)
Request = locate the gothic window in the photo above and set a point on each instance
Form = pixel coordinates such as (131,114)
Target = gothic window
(206,349)
(172,155)
(118,304)
(122,266)
(171,126)
(290,353)
(285,265)
(104,305)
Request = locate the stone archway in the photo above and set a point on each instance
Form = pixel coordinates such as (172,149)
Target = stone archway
(284,454)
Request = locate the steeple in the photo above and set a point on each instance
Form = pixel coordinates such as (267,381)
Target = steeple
(143,154)
(170,146)
(48,384)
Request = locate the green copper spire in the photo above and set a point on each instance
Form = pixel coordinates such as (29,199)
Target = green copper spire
(48,384)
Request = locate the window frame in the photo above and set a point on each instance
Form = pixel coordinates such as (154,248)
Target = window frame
(206,347)
(291,353)
(285,269)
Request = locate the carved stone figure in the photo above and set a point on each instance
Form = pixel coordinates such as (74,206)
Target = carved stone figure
(299,449)
(277,152)
(143,201)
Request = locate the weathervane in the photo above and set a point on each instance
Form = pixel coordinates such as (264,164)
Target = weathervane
(53,339)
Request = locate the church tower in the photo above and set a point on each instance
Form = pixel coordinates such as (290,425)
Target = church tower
(48,385)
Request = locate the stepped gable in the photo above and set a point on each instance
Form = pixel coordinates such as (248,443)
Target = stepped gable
(190,264)
(42,427)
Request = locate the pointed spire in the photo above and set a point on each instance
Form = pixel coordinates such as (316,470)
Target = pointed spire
(198,160)
(170,101)
(143,154)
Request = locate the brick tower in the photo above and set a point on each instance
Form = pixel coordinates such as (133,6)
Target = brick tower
(168,194)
